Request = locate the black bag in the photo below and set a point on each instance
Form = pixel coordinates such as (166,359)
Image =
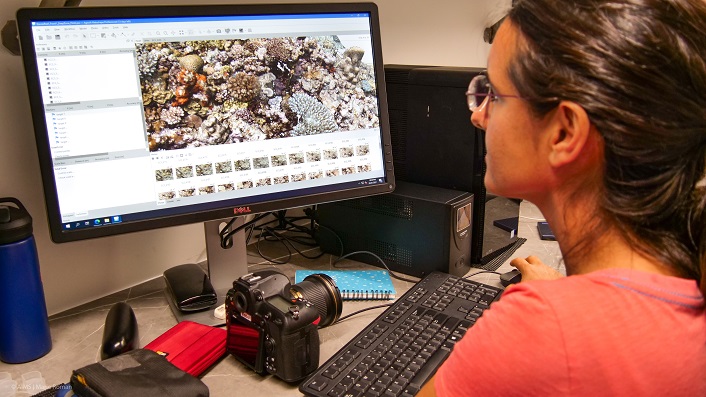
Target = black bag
(138,372)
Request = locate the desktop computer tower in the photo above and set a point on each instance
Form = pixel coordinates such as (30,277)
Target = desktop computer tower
(435,144)
(416,229)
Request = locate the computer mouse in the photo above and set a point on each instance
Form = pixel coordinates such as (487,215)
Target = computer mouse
(511,277)
(120,333)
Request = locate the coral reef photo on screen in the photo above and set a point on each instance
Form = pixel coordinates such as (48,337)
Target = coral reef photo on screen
(212,92)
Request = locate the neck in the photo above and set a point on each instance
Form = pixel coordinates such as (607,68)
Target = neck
(589,244)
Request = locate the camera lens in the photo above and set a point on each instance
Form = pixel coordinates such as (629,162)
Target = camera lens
(322,292)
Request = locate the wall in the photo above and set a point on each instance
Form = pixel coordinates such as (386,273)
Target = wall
(441,32)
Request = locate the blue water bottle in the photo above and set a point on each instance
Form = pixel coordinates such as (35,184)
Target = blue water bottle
(24,325)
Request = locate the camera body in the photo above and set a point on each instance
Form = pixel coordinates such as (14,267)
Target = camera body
(270,330)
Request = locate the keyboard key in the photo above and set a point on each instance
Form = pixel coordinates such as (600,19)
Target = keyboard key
(395,390)
(421,376)
(348,382)
(317,384)
(384,381)
(337,391)
(330,373)
(375,390)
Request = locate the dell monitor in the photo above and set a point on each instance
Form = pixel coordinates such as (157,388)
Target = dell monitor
(154,116)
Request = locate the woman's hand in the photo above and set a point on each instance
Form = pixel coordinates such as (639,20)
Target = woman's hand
(532,268)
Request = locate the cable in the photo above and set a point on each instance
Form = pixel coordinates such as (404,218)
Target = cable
(363,310)
(379,260)
(287,241)
(303,240)
(227,234)
(286,224)
(340,242)
(273,261)
(288,233)
(341,256)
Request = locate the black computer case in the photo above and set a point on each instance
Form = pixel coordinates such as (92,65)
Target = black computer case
(415,230)
(433,140)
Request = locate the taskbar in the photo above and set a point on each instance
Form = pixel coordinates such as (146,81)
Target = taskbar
(115,219)
(85,223)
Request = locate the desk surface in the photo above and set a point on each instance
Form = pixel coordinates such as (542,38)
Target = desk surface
(77,333)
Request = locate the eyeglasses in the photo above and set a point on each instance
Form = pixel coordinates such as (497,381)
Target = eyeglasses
(479,90)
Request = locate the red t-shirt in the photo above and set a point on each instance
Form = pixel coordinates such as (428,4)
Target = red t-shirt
(615,332)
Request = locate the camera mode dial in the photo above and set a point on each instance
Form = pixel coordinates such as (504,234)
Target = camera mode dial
(270,345)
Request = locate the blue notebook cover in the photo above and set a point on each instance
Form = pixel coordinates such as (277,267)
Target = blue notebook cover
(357,284)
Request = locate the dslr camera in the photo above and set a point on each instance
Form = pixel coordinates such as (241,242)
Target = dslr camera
(273,325)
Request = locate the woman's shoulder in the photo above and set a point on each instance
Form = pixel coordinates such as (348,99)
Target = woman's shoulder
(610,284)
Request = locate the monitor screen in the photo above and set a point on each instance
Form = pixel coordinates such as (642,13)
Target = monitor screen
(148,117)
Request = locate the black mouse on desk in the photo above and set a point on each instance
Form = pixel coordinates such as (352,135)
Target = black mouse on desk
(120,333)
(511,277)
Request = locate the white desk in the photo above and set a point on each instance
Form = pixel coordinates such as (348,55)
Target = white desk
(77,333)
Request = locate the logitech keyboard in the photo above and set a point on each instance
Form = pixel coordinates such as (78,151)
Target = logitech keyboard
(403,347)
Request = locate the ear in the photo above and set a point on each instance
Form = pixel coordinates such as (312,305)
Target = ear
(570,133)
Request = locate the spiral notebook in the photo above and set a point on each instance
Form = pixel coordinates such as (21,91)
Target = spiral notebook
(357,284)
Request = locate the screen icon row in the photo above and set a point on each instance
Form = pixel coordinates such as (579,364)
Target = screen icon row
(93,222)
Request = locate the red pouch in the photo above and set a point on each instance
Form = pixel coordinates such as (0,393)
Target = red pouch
(190,346)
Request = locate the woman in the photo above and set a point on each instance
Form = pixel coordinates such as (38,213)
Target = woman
(597,114)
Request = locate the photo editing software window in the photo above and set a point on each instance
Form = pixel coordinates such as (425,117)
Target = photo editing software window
(155,113)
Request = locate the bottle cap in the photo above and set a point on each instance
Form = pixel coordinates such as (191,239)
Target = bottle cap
(15,222)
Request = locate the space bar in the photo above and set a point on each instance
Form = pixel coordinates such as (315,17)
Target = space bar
(426,372)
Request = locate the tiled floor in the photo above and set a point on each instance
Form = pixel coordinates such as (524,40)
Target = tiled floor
(77,334)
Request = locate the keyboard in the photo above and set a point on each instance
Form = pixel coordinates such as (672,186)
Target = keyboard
(403,347)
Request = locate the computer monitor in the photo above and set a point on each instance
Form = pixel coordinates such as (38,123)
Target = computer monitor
(156,116)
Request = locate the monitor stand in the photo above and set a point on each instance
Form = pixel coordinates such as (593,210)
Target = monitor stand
(223,266)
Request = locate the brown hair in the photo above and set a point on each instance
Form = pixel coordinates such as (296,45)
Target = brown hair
(638,69)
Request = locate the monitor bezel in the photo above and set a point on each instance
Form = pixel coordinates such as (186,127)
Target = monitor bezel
(221,210)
